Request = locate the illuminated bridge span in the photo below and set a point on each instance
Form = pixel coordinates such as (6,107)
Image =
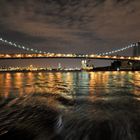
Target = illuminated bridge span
(70,56)
(42,54)
(40,51)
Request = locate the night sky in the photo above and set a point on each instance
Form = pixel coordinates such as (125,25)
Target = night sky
(68,26)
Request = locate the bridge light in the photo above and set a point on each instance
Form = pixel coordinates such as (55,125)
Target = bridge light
(18,46)
(29,55)
(59,55)
(15,44)
(114,56)
(50,55)
(122,57)
(36,51)
(32,49)
(10,43)
(7,55)
(106,56)
(68,55)
(135,58)
(18,55)
(39,55)
(92,55)
(1,55)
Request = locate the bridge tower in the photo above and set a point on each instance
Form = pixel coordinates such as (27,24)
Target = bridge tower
(136,49)
(136,52)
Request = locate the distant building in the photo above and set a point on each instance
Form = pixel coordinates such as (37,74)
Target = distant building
(136,49)
(59,66)
(85,65)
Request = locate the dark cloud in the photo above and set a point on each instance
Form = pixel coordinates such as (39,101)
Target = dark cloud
(71,25)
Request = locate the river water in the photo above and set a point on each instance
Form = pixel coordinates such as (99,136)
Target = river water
(70,105)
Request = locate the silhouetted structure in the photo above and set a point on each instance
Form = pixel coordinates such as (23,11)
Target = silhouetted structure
(116,65)
(136,49)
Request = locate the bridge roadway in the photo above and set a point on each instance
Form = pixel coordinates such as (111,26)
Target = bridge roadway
(69,56)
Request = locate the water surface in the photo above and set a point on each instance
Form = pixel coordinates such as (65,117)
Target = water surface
(74,84)
(70,105)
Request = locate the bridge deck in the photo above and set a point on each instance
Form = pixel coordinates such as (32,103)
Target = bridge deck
(67,56)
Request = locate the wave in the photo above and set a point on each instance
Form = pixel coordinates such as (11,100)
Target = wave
(47,116)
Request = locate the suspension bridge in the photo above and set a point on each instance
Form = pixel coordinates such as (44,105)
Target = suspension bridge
(110,55)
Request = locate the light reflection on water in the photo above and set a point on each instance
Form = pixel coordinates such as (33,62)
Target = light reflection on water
(70,106)
(77,84)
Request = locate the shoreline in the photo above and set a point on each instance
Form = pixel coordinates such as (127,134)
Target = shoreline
(94,70)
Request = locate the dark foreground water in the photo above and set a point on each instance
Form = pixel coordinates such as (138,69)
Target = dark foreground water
(70,106)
